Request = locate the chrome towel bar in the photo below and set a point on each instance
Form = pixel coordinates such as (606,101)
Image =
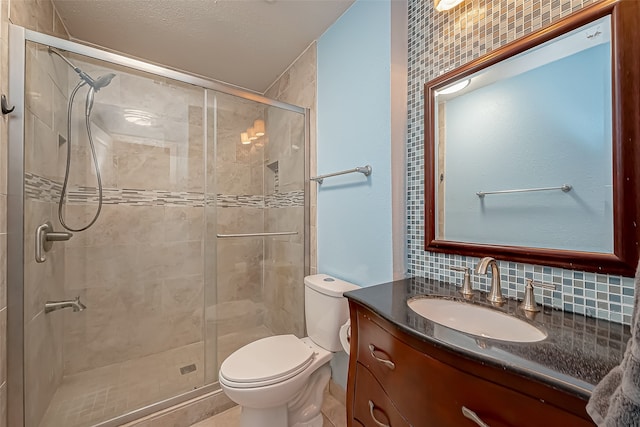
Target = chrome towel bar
(281,233)
(366,170)
(566,188)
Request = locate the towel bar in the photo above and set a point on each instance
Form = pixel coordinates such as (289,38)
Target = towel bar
(366,170)
(566,188)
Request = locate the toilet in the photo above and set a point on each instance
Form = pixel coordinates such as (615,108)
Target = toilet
(279,381)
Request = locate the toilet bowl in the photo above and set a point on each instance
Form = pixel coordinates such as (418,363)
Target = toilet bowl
(279,381)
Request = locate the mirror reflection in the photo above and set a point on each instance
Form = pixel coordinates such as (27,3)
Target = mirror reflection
(524,148)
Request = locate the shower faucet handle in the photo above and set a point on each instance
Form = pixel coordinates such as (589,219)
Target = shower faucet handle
(45,236)
(58,236)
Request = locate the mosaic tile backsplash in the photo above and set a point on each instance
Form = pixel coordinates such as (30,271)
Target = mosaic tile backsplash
(440,42)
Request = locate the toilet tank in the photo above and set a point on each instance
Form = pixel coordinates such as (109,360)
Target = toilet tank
(326,309)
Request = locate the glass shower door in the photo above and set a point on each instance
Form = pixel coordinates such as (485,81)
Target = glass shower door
(257,221)
(139,270)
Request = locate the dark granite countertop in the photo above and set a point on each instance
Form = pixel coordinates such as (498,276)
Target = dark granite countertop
(576,355)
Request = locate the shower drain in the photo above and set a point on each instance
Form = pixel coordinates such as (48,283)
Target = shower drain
(187,369)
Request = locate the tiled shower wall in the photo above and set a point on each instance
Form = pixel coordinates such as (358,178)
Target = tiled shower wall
(285,296)
(40,16)
(439,42)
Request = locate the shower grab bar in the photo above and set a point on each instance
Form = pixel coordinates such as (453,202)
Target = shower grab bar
(366,170)
(566,188)
(281,233)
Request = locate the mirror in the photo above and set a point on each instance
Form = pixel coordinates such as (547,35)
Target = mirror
(531,151)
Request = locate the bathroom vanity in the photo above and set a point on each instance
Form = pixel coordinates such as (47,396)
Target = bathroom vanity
(407,370)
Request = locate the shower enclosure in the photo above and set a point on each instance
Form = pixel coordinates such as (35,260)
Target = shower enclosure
(199,246)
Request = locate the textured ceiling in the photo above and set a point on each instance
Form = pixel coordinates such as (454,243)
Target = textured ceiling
(247,43)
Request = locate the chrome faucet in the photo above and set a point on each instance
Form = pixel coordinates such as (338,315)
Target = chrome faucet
(495,295)
(75,304)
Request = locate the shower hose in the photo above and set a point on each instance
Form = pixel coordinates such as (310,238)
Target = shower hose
(65,184)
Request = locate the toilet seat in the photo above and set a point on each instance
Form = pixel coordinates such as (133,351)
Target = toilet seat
(266,361)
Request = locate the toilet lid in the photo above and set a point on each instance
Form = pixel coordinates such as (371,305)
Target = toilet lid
(267,360)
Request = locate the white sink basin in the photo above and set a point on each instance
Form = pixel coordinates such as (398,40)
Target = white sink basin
(475,320)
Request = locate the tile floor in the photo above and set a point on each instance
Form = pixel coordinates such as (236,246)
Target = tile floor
(333,413)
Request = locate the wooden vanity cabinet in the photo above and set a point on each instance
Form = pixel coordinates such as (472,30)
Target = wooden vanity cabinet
(396,379)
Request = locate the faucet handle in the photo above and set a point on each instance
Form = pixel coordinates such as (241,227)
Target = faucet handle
(540,284)
(529,302)
(466,290)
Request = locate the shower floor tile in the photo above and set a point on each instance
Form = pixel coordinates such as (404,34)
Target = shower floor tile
(90,397)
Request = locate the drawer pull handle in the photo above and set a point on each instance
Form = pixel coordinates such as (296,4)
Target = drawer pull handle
(388,363)
(375,420)
(468,413)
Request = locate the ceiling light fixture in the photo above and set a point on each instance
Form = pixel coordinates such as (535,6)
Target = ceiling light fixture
(258,127)
(252,134)
(454,87)
(139,117)
(442,5)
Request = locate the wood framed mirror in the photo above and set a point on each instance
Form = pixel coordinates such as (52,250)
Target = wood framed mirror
(563,192)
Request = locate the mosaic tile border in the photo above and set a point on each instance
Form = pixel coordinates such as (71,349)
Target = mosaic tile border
(133,197)
(240,200)
(287,199)
(41,189)
(439,42)
(47,190)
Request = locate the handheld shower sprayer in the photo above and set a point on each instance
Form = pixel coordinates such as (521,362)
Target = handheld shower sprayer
(94,86)
(103,81)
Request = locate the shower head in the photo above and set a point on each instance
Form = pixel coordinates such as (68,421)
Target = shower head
(96,84)
(103,81)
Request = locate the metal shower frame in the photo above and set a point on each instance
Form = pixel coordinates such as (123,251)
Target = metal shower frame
(18,36)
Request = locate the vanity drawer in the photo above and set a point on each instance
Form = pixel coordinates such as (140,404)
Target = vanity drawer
(428,392)
(372,407)
(395,365)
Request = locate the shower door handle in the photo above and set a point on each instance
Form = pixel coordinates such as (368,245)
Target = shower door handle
(45,236)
